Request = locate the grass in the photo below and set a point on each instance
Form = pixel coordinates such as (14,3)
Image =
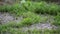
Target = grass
(35,31)
(37,7)
(30,12)
(57,20)
(29,18)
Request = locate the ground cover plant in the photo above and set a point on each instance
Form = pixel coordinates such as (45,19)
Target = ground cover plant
(30,12)
(38,7)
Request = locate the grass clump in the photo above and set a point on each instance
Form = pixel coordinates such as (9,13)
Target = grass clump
(5,8)
(53,9)
(30,18)
(41,7)
(27,21)
(45,8)
(16,9)
(57,20)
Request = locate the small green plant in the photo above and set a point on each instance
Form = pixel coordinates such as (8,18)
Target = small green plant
(41,7)
(30,18)
(4,8)
(27,21)
(53,9)
(57,20)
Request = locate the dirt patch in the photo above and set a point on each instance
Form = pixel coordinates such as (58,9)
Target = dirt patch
(6,17)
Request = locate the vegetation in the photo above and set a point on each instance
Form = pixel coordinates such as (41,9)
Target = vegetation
(57,20)
(38,7)
(30,12)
